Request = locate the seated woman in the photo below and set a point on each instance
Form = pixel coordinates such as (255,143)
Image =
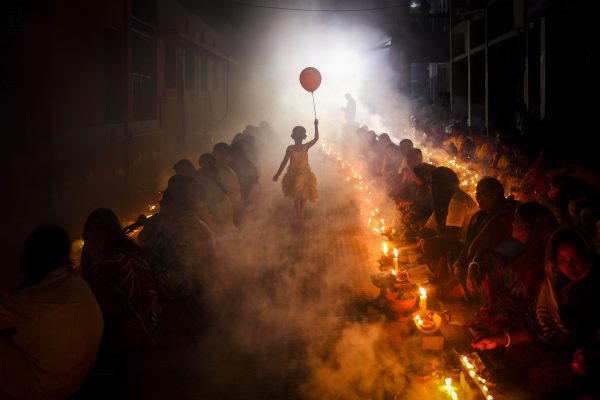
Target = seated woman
(446,228)
(122,282)
(563,319)
(491,225)
(229,179)
(217,201)
(414,157)
(416,201)
(183,257)
(184,167)
(506,279)
(391,163)
(51,327)
(246,172)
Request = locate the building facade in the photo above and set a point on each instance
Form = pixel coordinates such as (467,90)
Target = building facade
(515,57)
(99,98)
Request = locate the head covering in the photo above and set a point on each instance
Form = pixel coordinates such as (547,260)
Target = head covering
(444,183)
(540,221)
(47,248)
(564,306)
(184,167)
(423,171)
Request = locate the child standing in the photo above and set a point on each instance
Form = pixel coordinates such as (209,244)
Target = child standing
(299,182)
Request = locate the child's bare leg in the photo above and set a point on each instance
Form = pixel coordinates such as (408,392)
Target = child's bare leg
(297,205)
(302,207)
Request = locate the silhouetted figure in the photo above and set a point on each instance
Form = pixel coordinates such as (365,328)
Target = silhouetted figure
(185,167)
(350,109)
(50,328)
(122,282)
(299,182)
(217,201)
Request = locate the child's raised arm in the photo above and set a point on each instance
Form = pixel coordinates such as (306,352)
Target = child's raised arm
(316,138)
(283,163)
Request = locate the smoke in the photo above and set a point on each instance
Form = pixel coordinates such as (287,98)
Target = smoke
(361,365)
(347,50)
(286,321)
(285,326)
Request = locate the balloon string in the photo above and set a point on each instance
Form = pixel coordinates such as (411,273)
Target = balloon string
(314,107)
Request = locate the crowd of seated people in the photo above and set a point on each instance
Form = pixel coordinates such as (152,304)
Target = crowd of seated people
(524,249)
(129,293)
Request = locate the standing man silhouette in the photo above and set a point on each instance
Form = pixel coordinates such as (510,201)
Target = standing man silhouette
(350,109)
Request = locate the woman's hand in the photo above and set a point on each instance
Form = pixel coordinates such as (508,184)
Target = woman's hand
(580,363)
(489,342)
(457,268)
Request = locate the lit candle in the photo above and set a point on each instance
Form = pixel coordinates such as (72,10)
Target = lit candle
(449,389)
(423,299)
(385,249)
(395,258)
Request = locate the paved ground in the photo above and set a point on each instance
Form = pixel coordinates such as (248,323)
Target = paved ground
(297,317)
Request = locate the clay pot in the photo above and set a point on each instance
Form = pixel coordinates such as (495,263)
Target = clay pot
(403,304)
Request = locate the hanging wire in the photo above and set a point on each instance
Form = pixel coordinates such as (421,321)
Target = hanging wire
(314,107)
(243,3)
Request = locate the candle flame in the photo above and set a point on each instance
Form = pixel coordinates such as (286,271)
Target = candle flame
(480,381)
(385,247)
(393,271)
(396,253)
(449,389)
(423,291)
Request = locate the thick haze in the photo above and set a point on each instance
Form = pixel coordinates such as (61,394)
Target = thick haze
(275,45)
(281,295)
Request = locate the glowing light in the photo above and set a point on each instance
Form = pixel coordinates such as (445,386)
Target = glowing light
(474,373)
(449,389)
(423,299)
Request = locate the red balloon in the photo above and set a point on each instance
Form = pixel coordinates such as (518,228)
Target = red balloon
(310,79)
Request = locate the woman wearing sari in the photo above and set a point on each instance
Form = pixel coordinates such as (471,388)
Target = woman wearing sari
(562,320)
(504,280)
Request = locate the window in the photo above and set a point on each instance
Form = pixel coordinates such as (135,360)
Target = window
(114,76)
(170,66)
(204,72)
(215,77)
(143,66)
(189,70)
